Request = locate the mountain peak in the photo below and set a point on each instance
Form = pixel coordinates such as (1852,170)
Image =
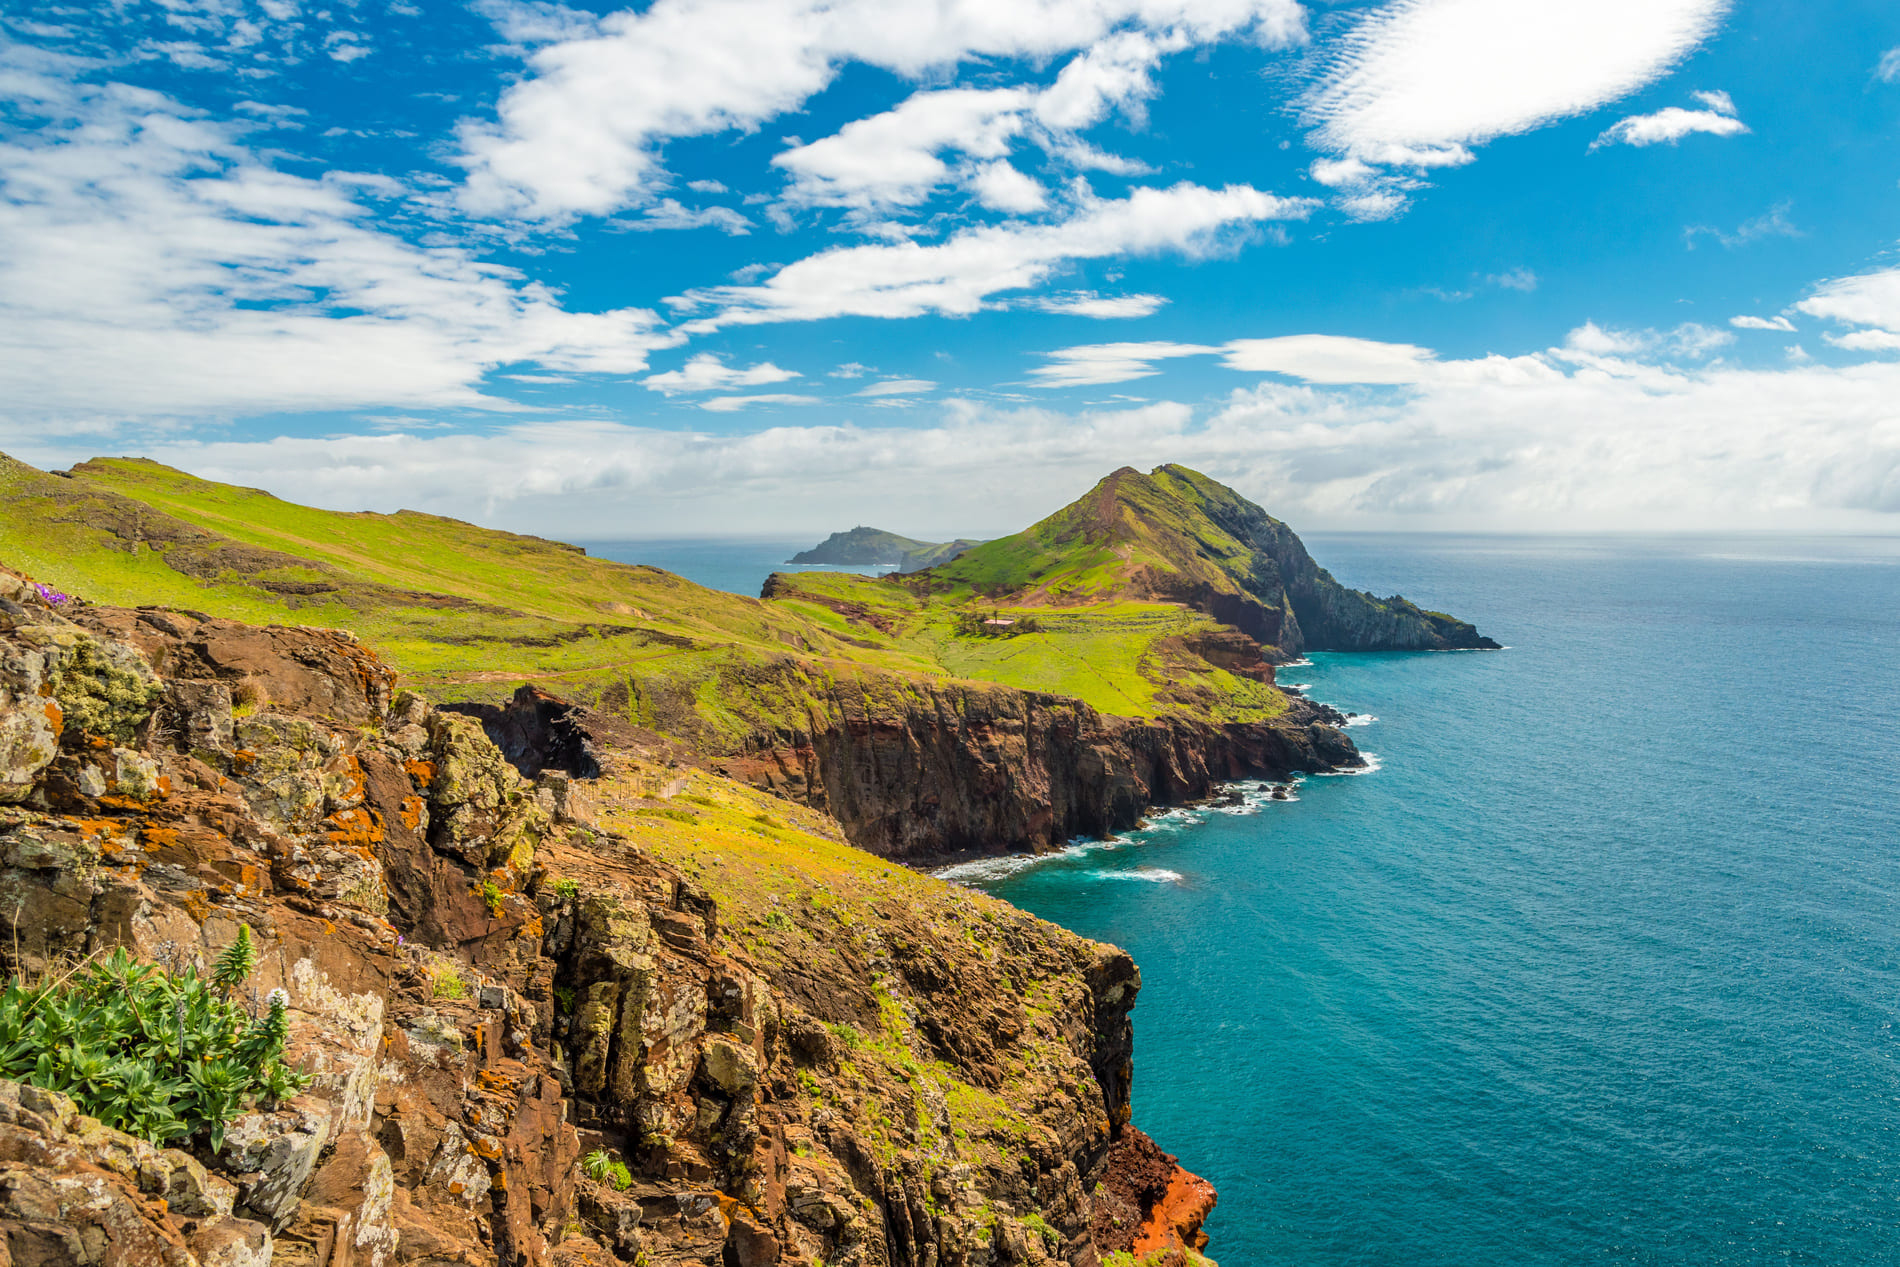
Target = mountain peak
(1177,535)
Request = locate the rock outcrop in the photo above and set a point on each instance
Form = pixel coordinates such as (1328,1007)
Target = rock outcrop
(798,1053)
(945,768)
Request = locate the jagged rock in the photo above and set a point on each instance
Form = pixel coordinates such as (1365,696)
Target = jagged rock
(770,1108)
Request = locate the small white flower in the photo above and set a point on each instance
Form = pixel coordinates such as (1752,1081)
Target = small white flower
(277,998)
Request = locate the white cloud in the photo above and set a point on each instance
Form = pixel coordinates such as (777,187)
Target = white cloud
(1001,187)
(956,277)
(891,159)
(1101,307)
(582,134)
(1762,323)
(898,387)
(1515,443)
(1325,358)
(1516,279)
(151,264)
(1773,223)
(1417,82)
(1098,363)
(1889,69)
(1462,72)
(1674,123)
(668,213)
(705,372)
(1868,300)
(732,404)
(1716,100)
(707,187)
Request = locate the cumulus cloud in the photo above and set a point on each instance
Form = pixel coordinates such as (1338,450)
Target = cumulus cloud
(1762,323)
(1417,82)
(707,372)
(1870,300)
(1518,442)
(581,135)
(957,276)
(1672,124)
(152,264)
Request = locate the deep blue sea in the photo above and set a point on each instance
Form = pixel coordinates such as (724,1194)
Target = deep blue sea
(1600,965)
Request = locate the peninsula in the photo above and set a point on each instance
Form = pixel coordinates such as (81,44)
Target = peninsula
(578,879)
(869,547)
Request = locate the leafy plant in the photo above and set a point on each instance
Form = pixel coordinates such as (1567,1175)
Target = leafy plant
(603,1167)
(445,982)
(157,1053)
(492,896)
(567,890)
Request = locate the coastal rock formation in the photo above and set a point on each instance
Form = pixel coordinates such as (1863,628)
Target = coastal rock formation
(865,547)
(1178,536)
(938,769)
(798,1053)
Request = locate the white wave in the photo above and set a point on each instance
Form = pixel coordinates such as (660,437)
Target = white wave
(1301,663)
(979,872)
(1154,875)
(1361,719)
(1297,686)
(1372,766)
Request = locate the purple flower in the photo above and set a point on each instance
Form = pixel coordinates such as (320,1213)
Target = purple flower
(50,596)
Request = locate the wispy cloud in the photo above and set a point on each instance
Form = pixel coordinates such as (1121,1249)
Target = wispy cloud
(898,387)
(1762,323)
(154,264)
(1888,71)
(1670,125)
(706,372)
(732,404)
(1772,223)
(957,276)
(1417,83)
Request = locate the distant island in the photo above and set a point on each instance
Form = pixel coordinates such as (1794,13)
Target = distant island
(866,546)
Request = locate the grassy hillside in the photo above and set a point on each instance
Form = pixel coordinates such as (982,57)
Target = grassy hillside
(1175,535)
(469,613)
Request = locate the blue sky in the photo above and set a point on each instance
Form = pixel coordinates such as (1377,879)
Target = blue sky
(708,266)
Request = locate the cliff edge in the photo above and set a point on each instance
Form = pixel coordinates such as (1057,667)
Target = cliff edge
(650,1016)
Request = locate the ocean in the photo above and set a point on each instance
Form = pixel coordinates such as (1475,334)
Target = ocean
(1600,964)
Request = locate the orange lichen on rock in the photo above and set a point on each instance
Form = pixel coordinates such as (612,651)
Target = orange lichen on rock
(1175,1221)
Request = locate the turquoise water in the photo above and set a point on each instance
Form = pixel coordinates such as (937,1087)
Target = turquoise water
(1601,965)
(738,565)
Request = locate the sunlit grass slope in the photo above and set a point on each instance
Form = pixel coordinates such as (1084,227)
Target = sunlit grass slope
(469,613)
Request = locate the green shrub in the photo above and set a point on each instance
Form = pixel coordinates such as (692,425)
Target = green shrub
(603,1167)
(445,982)
(567,890)
(149,1051)
(492,897)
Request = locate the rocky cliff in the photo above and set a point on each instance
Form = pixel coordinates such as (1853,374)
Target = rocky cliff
(798,1053)
(944,768)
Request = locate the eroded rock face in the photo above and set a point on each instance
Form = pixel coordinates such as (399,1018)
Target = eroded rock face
(942,769)
(939,1089)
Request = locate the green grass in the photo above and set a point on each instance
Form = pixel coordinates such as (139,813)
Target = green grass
(466,612)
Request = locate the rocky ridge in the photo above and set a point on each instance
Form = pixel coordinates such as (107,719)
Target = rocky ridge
(801,1054)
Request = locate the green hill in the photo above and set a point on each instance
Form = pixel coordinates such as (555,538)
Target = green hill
(1176,536)
(469,613)
(868,547)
